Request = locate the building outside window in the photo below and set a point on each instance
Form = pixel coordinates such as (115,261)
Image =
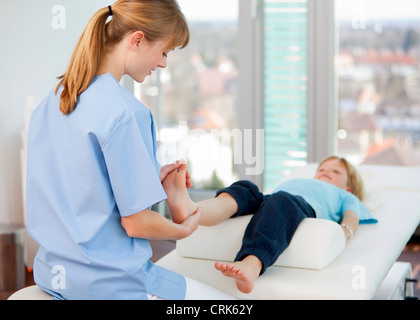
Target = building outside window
(374,108)
(378,74)
(194,98)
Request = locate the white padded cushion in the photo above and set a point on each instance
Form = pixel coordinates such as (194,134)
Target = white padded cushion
(315,244)
(30,293)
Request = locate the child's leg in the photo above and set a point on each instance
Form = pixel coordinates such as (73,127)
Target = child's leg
(245,272)
(272,227)
(241,198)
(178,200)
(217,210)
(268,234)
(180,205)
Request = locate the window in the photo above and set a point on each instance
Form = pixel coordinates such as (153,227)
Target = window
(194,98)
(377,68)
(212,116)
(285,88)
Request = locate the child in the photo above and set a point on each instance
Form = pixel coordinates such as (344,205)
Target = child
(335,193)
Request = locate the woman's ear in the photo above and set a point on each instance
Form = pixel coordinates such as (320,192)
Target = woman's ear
(135,39)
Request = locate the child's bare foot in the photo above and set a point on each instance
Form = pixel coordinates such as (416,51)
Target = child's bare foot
(244,272)
(179,203)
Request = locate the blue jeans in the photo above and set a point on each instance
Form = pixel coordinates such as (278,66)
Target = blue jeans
(275,220)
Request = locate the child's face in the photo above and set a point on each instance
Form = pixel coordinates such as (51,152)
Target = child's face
(334,172)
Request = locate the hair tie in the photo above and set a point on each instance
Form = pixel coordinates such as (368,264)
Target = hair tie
(110,11)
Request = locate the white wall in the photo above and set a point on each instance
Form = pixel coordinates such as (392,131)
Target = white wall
(36,42)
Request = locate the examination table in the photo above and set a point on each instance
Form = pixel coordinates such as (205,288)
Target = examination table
(365,268)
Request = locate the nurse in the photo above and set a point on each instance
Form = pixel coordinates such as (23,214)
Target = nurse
(92,172)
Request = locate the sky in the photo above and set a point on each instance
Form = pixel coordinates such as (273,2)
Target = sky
(209,9)
(374,9)
(346,9)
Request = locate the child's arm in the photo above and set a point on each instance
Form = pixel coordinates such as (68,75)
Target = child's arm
(149,224)
(350,223)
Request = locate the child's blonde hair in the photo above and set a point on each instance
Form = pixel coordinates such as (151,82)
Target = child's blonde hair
(355,180)
(158,19)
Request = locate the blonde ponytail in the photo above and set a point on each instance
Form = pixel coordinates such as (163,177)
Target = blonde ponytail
(158,19)
(84,62)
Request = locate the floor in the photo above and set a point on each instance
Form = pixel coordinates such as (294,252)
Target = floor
(410,254)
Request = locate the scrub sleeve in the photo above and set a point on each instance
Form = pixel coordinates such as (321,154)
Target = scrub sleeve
(133,177)
(129,153)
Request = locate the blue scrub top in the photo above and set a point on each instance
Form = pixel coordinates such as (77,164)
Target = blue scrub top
(85,171)
(328,201)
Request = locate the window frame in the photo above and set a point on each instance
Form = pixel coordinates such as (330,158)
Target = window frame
(251,80)
(322,81)
(321,97)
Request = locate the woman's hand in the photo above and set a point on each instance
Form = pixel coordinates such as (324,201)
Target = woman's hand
(165,170)
(149,224)
(189,225)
